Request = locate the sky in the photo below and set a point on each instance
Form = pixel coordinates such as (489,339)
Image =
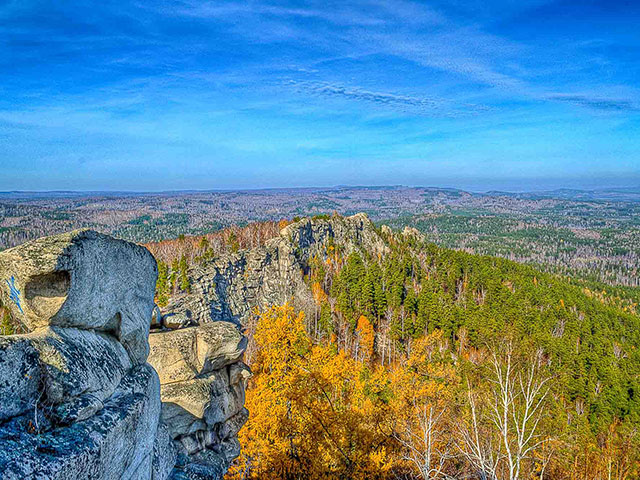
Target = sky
(196,94)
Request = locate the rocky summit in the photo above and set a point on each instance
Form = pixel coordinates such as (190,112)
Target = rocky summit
(86,394)
(231,286)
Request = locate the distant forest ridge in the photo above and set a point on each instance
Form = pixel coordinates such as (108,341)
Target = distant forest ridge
(586,234)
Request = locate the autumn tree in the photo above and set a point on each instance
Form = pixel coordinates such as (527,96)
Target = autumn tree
(315,411)
(366,339)
(423,407)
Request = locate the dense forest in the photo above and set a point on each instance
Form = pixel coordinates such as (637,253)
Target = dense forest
(433,363)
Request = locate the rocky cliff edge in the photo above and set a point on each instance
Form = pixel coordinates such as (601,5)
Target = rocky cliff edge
(78,398)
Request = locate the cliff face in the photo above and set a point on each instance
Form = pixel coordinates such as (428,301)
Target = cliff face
(78,398)
(231,286)
(203,383)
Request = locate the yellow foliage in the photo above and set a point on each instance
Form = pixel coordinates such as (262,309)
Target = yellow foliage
(319,295)
(314,412)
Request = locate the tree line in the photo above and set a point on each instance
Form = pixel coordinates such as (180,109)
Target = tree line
(433,363)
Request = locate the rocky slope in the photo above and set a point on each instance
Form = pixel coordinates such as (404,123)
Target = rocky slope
(231,286)
(78,398)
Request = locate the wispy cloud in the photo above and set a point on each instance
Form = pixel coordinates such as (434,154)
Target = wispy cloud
(282,81)
(416,105)
(597,103)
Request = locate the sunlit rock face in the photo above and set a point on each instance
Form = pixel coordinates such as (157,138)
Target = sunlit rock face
(78,399)
(203,392)
(85,280)
(231,286)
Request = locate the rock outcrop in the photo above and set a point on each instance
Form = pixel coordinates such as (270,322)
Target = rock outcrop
(203,391)
(231,286)
(78,399)
(83,279)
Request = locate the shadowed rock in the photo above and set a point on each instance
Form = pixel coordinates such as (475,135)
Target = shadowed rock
(203,393)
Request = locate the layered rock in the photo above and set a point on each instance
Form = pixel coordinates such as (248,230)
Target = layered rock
(231,286)
(203,387)
(77,396)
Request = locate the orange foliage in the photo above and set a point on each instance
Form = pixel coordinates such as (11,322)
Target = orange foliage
(315,412)
(213,244)
(366,336)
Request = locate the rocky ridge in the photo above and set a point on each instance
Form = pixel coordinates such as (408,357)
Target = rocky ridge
(231,286)
(78,398)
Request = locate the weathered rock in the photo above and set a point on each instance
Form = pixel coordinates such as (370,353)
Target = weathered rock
(164,454)
(230,287)
(68,365)
(115,443)
(174,321)
(203,384)
(156,317)
(19,376)
(182,354)
(85,280)
(77,398)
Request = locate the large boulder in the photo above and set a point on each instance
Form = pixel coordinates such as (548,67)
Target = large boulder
(82,279)
(77,398)
(182,354)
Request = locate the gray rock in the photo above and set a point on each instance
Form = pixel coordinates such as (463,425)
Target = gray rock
(69,369)
(156,317)
(164,454)
(230,287)
(115,443)
(77,398)
(182,354)
(203,393)
(173,321)
(209,398)
(82,279)
(19,376)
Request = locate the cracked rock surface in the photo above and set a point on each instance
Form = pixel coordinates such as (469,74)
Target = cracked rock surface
(78,398)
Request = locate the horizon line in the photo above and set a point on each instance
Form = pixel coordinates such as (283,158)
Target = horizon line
(317,187)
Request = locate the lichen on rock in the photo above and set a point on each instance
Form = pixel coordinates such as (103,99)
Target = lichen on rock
(77,396)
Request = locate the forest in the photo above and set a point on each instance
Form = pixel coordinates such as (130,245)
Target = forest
(430,363)
(433,363)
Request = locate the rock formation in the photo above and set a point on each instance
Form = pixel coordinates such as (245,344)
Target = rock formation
(203,382)
(231,286)
(78,399)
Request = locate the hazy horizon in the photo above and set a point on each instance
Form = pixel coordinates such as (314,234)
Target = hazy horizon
(631,188)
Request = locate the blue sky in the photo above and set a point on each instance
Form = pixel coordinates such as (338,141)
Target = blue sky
(196,94)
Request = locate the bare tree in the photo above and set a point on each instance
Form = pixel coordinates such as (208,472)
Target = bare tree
(478,445)
(427,448)
(501,436)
